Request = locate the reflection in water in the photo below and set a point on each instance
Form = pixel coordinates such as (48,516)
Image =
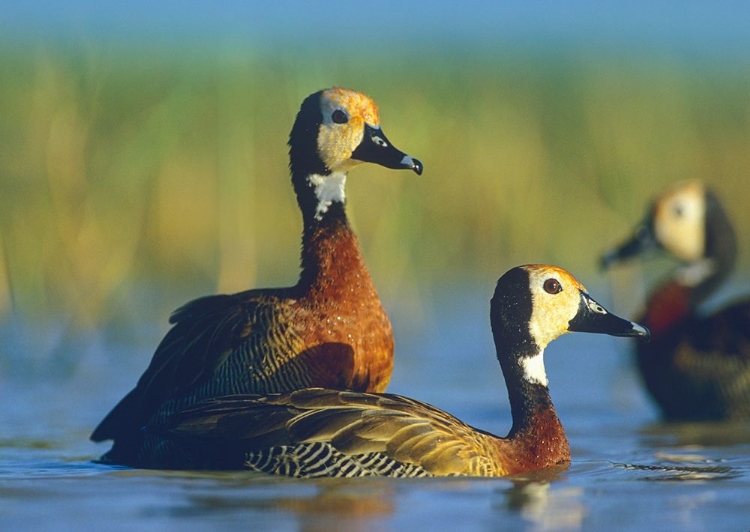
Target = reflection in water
(713,434)
(694,451)
(316,506)
(349,506)
(546,509)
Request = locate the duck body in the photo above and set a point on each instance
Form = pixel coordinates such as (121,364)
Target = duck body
(319,432)
(330,329)
(697,366)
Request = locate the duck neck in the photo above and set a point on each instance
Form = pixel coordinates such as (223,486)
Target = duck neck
(537,431)
(701,278)
(537,436)
(667,307)
(676,299)
(529,397)
(330,250)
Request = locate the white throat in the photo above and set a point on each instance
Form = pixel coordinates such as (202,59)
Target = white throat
(533,369)
(328,188)
(694,274)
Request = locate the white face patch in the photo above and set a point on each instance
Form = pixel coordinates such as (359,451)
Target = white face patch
(533,369)
(551,311)
(680,222)
(328,189)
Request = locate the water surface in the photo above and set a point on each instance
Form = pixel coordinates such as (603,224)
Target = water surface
(628,471)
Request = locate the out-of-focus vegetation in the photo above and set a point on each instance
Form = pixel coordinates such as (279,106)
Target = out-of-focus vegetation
(123,170)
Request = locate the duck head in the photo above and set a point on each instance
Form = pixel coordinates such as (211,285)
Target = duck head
(688,223)
(337,129)
(534,304)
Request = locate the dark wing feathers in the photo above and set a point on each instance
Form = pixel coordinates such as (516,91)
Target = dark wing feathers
(398,428)
(205,332)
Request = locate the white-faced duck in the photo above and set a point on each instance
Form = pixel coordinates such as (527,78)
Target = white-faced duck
(697,366)
(329,329)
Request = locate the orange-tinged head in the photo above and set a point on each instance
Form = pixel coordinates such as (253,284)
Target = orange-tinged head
(337,129)
(345,114)
(350,134)
(536,303)
(556,299)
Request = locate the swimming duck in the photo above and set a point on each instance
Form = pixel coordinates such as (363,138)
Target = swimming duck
(328,330)
(329,433)
(698,366)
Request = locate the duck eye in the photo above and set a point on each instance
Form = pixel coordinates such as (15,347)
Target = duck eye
(552,286)
(339,117)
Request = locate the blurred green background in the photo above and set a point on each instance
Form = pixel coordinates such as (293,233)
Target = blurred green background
(137,175)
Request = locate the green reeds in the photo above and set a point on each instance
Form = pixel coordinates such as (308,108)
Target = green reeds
(122,169)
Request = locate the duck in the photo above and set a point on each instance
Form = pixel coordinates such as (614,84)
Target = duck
(697,367)
(329,329)
(316,432)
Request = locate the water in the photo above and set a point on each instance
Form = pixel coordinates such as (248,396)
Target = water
(628,471)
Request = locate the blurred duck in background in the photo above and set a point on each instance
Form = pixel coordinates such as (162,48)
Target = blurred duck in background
(697,367)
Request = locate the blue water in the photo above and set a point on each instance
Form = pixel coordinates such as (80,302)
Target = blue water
(628,471)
